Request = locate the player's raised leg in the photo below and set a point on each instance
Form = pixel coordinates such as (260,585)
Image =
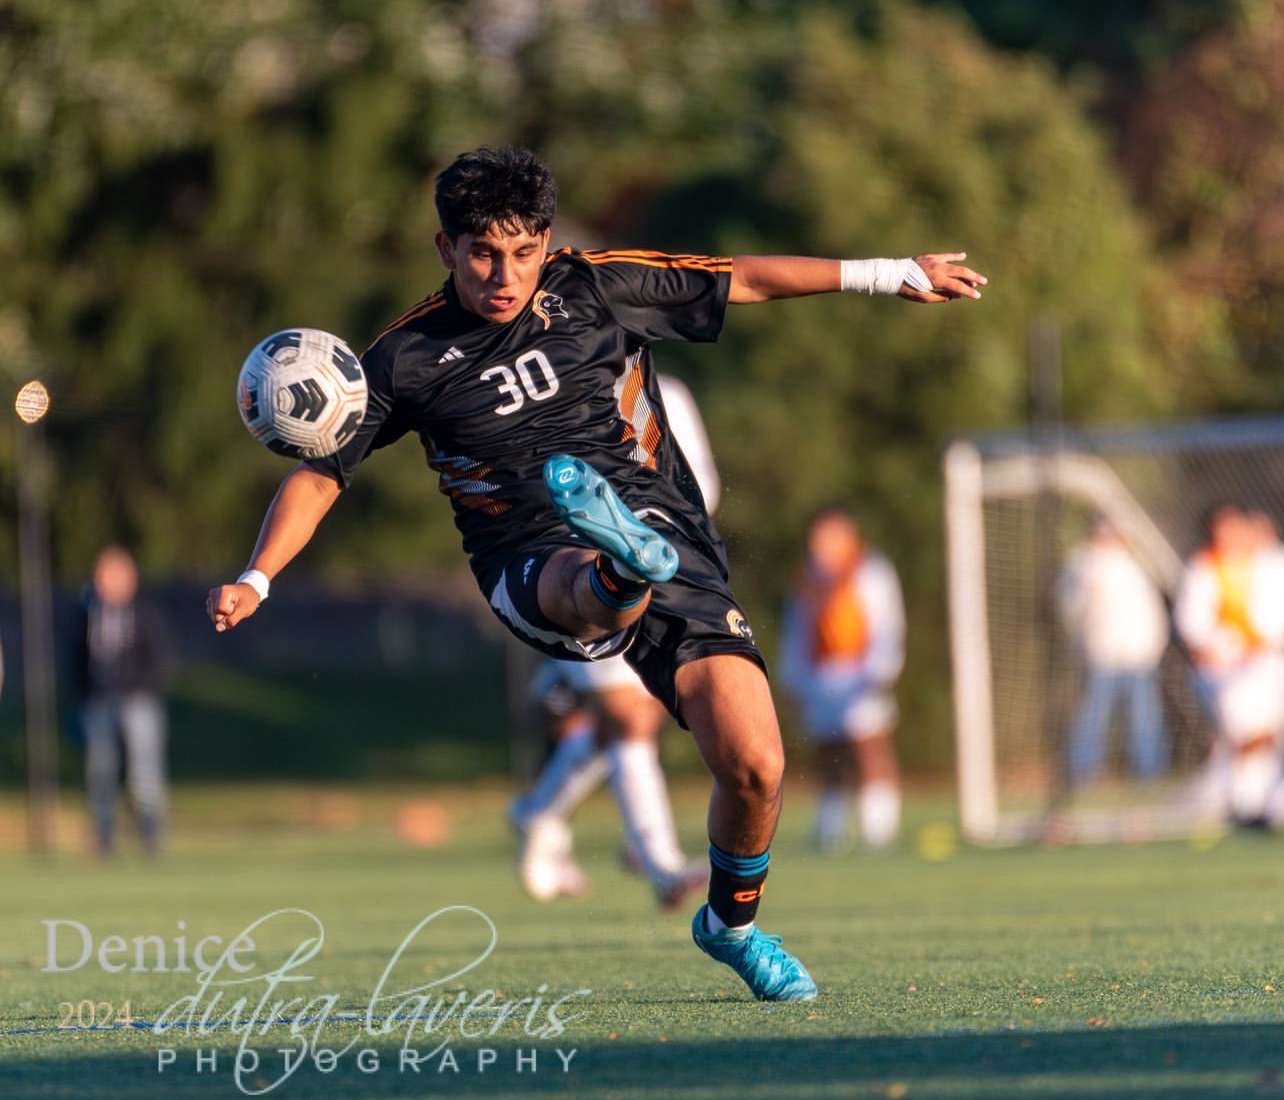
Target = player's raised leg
(573,594)
(585,499)
(593,593)
(726,702)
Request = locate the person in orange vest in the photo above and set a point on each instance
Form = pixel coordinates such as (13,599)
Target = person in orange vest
(1230,613)
(842,651)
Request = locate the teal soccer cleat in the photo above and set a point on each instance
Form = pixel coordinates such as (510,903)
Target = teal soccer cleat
(770,972)
(585,499)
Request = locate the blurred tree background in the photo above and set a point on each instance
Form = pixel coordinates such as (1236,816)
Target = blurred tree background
(179,178)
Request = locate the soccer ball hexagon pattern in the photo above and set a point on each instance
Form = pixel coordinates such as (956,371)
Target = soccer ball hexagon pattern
(302,393)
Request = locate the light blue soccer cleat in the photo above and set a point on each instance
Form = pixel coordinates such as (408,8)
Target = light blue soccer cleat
(770,972)
(585,499)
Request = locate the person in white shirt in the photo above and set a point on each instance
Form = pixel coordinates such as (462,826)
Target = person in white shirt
(608,726)
(842,649)
(1230,613)
(1118,619)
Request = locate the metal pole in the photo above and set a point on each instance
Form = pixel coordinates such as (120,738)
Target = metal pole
(38,656)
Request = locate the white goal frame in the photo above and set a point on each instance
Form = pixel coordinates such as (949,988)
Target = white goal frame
(1012,465)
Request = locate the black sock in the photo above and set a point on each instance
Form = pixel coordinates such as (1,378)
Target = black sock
(614,589)
(736,885)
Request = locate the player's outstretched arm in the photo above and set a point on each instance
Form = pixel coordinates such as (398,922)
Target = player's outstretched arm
(933,277)
(303,499)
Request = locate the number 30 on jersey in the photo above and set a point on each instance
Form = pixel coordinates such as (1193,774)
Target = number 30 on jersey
(518,387)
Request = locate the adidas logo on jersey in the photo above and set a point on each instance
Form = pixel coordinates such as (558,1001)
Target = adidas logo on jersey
(451,355)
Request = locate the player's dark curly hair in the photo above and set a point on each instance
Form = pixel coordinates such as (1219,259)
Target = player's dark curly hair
(511,188)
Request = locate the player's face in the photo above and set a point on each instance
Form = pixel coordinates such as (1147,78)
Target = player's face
(496,272)
(115,577)
(1232,534)
(833,546)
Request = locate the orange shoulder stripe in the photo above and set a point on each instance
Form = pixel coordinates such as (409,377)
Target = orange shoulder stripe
(607,254)
(659,259)
(433,301)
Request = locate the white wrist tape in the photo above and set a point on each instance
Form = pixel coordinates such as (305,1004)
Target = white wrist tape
(881,276)
(256,580)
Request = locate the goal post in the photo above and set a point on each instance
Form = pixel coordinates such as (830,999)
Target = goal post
(1017,673)
(970,642)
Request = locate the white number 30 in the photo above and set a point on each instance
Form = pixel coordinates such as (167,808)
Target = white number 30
(517,395)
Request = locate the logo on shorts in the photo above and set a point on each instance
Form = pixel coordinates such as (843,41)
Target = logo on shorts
(738,624)
(546,306)
(526,570)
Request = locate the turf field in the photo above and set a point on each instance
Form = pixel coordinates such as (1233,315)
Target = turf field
(1151,971)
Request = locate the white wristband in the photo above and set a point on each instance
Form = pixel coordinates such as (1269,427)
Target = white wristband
(256,580)
(881,276)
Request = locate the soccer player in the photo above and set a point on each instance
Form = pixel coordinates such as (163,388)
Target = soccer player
(1230,612)
(842,648)
(609,725)
(584,526)
(1119,621)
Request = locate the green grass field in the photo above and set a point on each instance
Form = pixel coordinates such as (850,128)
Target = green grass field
(1150,971)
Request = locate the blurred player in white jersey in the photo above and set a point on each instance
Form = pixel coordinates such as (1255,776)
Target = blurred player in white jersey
(842,650)
(1119,621)
(607,725)
(1230,612)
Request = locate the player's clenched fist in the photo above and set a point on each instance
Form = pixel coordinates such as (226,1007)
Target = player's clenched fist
(228,604)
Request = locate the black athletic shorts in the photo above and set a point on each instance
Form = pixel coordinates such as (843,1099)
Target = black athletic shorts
(693,615)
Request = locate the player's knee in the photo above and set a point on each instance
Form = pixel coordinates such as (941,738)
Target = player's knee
(757,773)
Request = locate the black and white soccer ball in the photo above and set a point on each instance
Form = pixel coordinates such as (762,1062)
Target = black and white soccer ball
(302,393)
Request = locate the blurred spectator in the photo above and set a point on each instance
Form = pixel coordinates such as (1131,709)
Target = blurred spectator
(842,650)
(1119,622)
(1230,611)
(121,667)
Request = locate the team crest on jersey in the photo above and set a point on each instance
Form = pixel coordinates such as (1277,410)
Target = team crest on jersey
(546,306)
(738,624)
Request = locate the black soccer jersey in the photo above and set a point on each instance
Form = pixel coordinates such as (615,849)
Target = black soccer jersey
(571,374)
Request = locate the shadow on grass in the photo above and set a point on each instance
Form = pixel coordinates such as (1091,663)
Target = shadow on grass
(1137,1063)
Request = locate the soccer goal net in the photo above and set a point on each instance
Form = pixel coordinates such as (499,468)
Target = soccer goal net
(1017,511)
